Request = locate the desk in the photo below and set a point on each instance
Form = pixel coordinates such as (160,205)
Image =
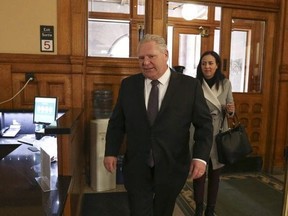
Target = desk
(20,193)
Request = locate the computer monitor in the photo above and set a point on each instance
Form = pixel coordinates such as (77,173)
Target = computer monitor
(45,110)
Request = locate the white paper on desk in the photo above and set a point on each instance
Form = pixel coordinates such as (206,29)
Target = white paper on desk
(44,180)
(49,144)
(45,166)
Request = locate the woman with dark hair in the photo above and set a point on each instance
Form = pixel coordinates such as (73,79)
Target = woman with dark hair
(218,94)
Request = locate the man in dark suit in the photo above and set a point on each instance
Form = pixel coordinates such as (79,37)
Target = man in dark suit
(153,188)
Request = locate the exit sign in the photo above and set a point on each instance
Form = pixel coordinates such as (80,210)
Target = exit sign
(46,38)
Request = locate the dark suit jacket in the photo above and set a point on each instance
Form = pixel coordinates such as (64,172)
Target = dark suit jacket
(182,105)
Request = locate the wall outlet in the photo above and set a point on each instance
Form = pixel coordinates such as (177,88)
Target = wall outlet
(29,76)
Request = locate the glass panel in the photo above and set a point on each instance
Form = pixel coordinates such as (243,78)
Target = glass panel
(111,6)
(246,55)
(216,47)
(170,44)
(217,14)
(189,52)
(141,7)
(237,61)
(108,39)
(187,11)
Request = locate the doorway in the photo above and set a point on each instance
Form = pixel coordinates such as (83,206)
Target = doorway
(188,44)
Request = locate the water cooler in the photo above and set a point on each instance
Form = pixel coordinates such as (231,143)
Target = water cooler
(101,179)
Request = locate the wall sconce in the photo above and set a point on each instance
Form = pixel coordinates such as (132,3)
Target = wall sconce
(203,32)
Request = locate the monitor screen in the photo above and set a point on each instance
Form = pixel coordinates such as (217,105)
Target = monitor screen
(45,110)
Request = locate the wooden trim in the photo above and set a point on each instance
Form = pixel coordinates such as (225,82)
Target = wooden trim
(263,5)
(100,15)
(6,77)
(64,27)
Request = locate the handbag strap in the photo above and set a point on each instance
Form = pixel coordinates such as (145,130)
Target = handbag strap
(235,120)
(223,118)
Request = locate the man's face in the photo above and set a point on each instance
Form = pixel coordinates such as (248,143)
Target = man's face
(152,62)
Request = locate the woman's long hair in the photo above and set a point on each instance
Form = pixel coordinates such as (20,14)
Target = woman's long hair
(218,76)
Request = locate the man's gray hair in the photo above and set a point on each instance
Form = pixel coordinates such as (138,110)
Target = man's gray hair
(160,41)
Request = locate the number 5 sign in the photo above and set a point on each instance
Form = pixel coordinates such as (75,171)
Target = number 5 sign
(47,38)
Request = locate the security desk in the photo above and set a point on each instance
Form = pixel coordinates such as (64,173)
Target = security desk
(20,167)
(20,192)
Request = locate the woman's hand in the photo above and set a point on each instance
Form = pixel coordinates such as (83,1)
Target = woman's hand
(230,108)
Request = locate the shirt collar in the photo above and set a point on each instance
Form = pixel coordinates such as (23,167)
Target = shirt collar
(164,78)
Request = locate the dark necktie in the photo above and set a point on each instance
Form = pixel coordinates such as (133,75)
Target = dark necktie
(152,110)
(153,101)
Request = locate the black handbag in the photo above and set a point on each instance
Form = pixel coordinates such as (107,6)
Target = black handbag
(233,144)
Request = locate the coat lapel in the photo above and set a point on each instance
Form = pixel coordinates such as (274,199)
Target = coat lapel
(211,94)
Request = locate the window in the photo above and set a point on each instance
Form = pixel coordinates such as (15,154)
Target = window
(217,14)
(105,42)
(110,6)
(246,55)
(190,47)
(238,74)
(109,28)
(187,11)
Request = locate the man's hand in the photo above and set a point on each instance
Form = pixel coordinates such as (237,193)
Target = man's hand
(197,169)
(110,163)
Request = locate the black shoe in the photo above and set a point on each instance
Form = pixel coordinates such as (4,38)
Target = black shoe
(209,211)
(199,210)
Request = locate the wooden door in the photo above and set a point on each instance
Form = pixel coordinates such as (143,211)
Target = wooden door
(253,97)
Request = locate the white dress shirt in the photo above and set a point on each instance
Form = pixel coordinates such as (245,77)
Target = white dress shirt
(162,86)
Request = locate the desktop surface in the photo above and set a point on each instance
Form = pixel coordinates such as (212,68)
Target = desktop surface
(6,149)
(22,165)
(7,145)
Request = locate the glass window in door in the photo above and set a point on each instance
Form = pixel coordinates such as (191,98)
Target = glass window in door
(189,53)
(246,55)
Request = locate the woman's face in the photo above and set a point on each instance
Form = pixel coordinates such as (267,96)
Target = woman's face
(208,66)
